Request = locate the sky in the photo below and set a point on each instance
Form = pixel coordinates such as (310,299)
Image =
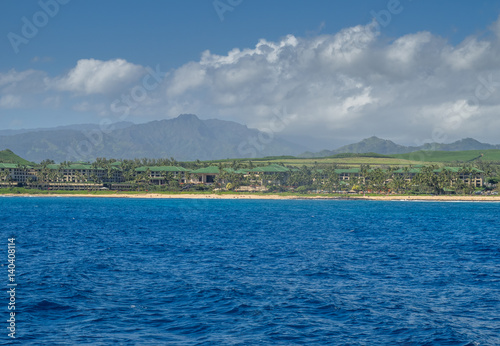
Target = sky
(320,73)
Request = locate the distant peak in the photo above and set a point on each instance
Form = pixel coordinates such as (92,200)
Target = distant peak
(187,117)
(374,138)
(468,139)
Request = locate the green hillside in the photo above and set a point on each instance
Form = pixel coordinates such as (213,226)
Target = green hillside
(7,156)
(350,155)
(451,156)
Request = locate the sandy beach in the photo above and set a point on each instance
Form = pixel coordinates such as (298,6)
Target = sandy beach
(276,197)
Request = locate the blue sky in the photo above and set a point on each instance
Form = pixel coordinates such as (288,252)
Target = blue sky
(335,71)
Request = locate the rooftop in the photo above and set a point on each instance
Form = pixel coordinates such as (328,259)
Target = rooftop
(270,169)
(8,165)
(162,169)
(207,170)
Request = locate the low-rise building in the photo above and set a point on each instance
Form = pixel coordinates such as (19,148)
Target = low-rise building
(161,175)
(16,173)
(206,175)
(348,174)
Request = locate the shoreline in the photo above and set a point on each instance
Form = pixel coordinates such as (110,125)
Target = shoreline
(274,197)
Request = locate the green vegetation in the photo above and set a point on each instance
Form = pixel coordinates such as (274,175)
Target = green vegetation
(340,174)
(451,156)
(263,159)
(7,156)
(345,155)
(351,160)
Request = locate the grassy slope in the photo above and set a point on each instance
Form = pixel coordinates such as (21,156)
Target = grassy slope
(451,156)
(352,160)
(348,161)
(7,156)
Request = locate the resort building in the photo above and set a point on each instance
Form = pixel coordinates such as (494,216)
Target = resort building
(84,176)
(408,174)
(207,175)
(80,173)
(471,176)
(212,174)
(270,174)
(15,173)
(161,175)
(349,174)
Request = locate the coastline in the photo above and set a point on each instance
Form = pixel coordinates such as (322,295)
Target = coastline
(275,197)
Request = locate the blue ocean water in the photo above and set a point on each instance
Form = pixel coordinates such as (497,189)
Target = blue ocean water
(252,272)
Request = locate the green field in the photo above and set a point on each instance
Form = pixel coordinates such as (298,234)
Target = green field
(451,156)
(347,161)
(356,160)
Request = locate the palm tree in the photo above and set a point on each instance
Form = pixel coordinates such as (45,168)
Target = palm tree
(330,179)
(397,183)
(52,176)
(42,175)
(467,173)
(168,177)
(128,169)
(376,179)
(109,171)
(4,175)
(222,177)
(143,178)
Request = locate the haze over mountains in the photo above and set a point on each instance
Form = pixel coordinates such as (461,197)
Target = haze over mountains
(77,127)
(185,138)
(387,147)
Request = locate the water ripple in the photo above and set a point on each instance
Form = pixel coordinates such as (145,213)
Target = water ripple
(188,272)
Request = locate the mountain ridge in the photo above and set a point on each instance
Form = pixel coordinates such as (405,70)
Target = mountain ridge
(387,147)
(185,138)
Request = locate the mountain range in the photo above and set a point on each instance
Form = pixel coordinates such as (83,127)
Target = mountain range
(79,127)
(186,138)
(387,147)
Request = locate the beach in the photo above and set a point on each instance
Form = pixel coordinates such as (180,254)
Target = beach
(446,198)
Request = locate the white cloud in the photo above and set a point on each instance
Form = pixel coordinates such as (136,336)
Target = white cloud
(335,88)
(354,83)
(29,81)
(91,76)
(467,55)
(185,78)
(10,101)
(405,50)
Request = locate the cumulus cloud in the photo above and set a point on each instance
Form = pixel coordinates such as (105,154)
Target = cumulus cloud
(335,88)
(91,76)
(351,84)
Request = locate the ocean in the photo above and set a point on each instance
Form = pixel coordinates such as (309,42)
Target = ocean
(249,272)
